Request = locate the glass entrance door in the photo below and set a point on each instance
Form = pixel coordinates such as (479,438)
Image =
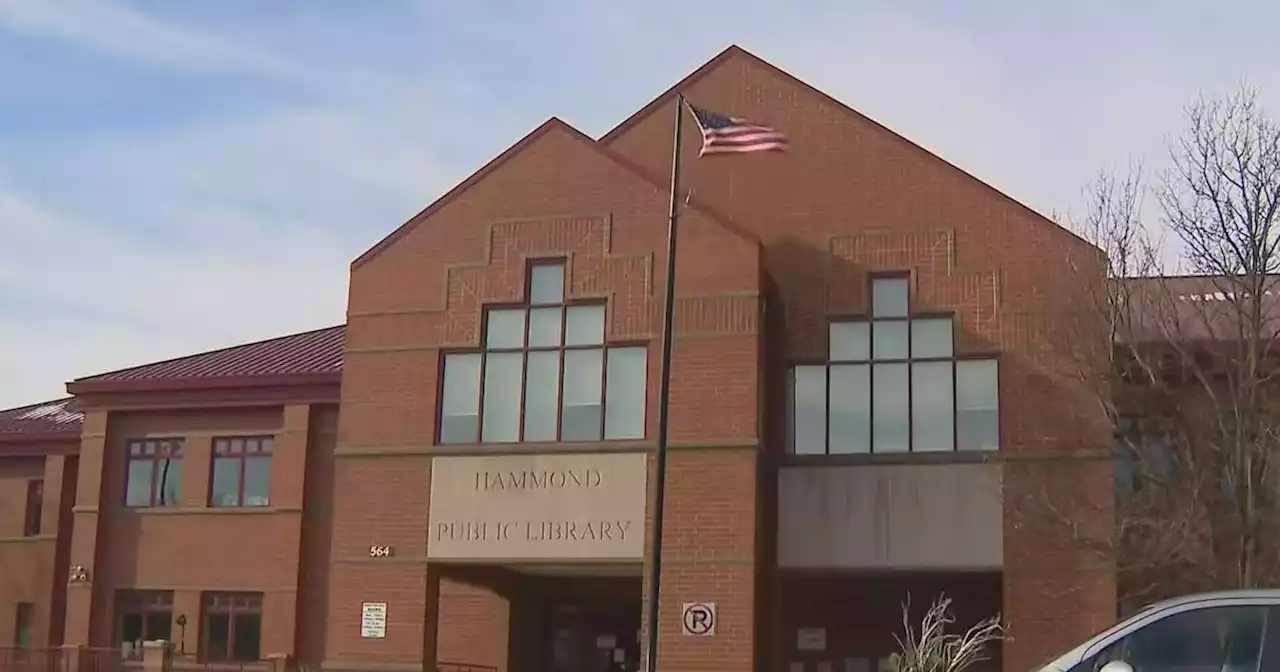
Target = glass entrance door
(594,638)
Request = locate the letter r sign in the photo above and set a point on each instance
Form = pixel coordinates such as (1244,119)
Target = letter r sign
(698,619)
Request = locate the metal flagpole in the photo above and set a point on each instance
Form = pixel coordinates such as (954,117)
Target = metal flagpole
(664,395)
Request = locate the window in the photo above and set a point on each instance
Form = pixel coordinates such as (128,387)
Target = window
(232,629)
(154,472)
(544,374)
(1144,452)
(241,472)
(35,507)
(22,623)
(1215,638)
(892,384)
(143,616)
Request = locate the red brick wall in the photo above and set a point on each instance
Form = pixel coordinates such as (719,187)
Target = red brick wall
(851,197)
(190,548)
(317,535)
(26,564)
(862,613)
(424,292)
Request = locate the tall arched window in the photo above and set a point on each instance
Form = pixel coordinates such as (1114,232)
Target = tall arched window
(892,384)
(544,373)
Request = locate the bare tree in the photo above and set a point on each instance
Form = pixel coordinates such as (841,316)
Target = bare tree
(935,648)
(1191,357)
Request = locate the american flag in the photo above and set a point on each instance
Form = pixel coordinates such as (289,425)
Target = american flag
(722,134)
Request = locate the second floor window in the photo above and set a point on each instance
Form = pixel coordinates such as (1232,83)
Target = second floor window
(893,384)
(154,472)
(35,507)
(241,472)
(544,373)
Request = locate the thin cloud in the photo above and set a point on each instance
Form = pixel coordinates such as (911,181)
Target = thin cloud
(115,29)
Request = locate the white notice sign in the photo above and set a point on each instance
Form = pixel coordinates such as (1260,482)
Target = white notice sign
(373,620)
(811,639)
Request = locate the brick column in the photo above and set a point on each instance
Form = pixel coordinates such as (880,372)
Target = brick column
(197,461)
(1056,592)
(288,476)
(81,628)
(709,555)
(54,522)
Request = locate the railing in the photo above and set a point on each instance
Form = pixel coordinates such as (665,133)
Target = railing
(114,660)
(61,660)
(442,666)
(189,663)
(30,660)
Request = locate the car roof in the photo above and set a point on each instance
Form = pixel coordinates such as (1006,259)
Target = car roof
(1243,594)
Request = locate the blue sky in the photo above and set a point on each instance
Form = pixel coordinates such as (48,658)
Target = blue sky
(177,176)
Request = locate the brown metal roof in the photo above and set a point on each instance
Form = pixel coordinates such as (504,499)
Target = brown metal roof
(1196,308)
(48,418)
(310,352)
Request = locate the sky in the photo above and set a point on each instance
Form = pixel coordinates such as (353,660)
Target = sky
(181,176)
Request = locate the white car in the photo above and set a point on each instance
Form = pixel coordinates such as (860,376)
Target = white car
(1236,631)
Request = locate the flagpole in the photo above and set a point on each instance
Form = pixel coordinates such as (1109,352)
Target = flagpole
(664,397)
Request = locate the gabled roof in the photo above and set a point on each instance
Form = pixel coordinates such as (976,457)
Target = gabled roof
(309,354)
(553,123)
(734,50)
(40,420)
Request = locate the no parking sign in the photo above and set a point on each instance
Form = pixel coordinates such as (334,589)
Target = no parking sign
(698,619)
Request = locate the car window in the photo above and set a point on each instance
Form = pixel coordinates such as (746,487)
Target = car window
(1213,639)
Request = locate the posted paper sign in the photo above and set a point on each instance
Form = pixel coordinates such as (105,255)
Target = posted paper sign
(373,620)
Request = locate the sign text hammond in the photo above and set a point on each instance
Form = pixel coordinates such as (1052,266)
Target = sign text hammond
(538,507)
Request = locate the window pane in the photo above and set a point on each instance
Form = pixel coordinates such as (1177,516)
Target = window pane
(226,482)
(809,410)
(546,284)
(158,625)
(849,341)
(541,396)
(850,416)
(460,405)
(584,325)
(931,337)
(891,428)
(932,407)
(217,631)
(505,329)
(503,374)
(138,489)
(625,399)
(248,635)
(583,376)
(169,480)
(890,340)
(977,405)
(257,481)
(22,624)
(131,628)
(544,327)
(889,297)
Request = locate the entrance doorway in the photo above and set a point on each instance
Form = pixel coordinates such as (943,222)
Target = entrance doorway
(594,638)
(578,623)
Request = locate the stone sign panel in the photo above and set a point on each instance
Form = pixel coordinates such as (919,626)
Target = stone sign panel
(538,507)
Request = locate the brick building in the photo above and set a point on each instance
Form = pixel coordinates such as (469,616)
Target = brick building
(460,474)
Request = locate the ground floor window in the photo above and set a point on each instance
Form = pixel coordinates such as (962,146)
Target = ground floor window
(232,627)
(143,616)
(22,622)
